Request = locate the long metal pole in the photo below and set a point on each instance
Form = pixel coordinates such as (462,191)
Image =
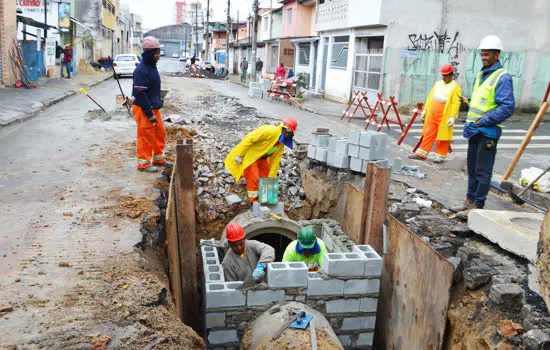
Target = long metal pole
(207,45)
(254,37)
(228,34)
(45,18)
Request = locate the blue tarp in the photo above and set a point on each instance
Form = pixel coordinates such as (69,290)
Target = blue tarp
(34,60)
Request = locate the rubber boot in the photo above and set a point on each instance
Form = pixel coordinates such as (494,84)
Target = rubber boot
(166,164)
(151,169)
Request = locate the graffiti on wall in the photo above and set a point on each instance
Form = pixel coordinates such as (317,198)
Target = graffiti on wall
(441,43)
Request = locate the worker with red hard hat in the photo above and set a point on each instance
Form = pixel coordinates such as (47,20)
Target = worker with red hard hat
(246,257)
(147,102)
(441,112)
(259,154)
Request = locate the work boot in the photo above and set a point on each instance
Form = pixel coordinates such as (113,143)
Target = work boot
(414,156)
(468,204)
(166,164)
(151,169)
(463,215)
(439,161)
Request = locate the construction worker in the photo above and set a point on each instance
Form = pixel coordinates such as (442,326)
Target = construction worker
(151,135)
(245,257)
(492,102)
(441,110)
(259,154)
(307,248)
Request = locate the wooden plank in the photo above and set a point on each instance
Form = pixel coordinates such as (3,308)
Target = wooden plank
(414,293)
(352,214)
(172,248)
(377,185)
(185,214)
(543,262)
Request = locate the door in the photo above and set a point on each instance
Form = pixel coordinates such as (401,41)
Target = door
(367,72)
(324,66)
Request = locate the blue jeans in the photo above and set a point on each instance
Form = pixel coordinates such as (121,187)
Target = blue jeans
(481,160)
(68,66)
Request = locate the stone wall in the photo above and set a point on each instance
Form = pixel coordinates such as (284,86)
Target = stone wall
(345,292)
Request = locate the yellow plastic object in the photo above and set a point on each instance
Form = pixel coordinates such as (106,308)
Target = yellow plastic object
(83,91)
(276,217)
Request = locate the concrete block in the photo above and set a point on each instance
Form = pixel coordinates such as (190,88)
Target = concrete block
(321,141)
(226,336)
(374,263)
(316,285)
(344,264)
(342,306)
(365,339)
(215,320)
(332,144)
(214,274)
(369,304)
(264,297)
(329,242)
(321,154)
(362,286)
(342,145)
(508,297)
(357,323)
(477,276)
(219,295)
(345,339)
(338,160)
(287,275)
(353,150)
(311,151)
(358,165)
(259,210)
(233,199)
(370,154)
(513,231)
(354,137)
(372,139)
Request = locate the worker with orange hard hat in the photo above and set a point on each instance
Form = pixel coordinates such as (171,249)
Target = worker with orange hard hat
(259,154)
(441,113)
(246,257)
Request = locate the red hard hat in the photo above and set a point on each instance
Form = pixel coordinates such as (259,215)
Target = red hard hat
(446,69)
(234,232)
(150,42)
(291,124)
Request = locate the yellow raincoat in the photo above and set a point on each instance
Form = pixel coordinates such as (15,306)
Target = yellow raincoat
(451,110)
(253,147)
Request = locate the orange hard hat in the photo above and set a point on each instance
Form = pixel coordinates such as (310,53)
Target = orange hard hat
(291,124)
(234,232)
(446,69)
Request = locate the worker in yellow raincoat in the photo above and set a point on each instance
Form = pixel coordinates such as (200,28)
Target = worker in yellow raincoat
(259,154)
(441,113)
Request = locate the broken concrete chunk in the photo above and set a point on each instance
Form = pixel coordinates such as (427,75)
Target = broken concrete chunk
(467,254)
(508,297)
(233,199)
(536,339)
(445,249)
(477,276)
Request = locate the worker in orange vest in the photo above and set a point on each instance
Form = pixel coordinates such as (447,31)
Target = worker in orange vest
(151,134)
(441,112)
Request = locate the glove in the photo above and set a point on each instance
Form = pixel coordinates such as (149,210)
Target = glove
(259,272)
(423,115)
(153,119)
(238,160)
(451,122)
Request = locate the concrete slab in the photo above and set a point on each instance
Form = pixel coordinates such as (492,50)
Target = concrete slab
(515,232)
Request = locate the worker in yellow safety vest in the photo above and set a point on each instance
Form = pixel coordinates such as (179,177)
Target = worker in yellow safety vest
(259,154)
(441,113)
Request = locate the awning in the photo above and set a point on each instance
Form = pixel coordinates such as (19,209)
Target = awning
(33,23)
(304,40)
(75,21)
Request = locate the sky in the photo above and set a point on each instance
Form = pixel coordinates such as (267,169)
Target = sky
(157,13)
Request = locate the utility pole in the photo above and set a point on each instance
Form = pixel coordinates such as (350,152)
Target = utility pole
(197,29)
(255,8)
(207,46)
(228,34)
(45,19)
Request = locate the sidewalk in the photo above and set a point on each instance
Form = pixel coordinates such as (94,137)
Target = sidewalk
(20,104)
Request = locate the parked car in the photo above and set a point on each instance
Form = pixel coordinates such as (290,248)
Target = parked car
(175,55)
(125,64)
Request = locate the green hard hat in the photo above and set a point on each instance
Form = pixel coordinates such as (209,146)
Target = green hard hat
(307,238)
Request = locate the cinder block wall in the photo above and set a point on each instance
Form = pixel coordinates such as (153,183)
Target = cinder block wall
(345,292)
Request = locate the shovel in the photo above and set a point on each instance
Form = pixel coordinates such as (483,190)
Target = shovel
(517,197)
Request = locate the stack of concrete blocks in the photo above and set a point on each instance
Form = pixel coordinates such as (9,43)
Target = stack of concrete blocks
(338,153)
(365,147)
(255,90)
(265,85)
(345,292)
(318,150)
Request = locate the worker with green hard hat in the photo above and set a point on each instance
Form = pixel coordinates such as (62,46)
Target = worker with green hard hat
(307,248)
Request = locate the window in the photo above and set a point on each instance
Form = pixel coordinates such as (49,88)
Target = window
(368,63)
(266,24)
(303,54)
(339,56)
(289,16)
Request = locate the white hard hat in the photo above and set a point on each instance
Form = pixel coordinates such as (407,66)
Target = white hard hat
(491,42)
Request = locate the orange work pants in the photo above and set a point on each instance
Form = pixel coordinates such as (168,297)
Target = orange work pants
(151,139)
(252,174)
(430,134)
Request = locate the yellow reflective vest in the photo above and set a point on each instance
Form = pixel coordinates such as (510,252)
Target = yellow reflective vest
(441,91)
(483,97)
(253,147)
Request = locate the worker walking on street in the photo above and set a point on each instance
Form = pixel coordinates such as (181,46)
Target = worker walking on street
(492,103)
(441,113)
(259,154)
(307,248)
(151,135)
(244,68)
(246,257)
